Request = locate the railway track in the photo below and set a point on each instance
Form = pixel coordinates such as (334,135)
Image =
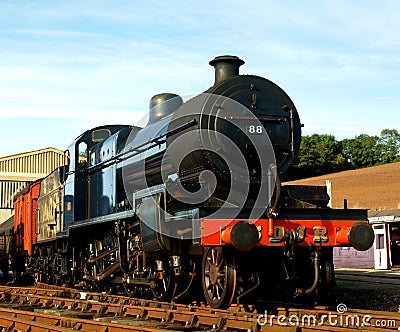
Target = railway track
(45,308)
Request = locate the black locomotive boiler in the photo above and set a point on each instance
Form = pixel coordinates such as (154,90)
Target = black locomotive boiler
(194,198)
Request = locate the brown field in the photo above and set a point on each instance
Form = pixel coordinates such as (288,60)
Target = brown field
(373,188)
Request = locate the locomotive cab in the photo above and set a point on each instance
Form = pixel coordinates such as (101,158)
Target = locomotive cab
(84,152)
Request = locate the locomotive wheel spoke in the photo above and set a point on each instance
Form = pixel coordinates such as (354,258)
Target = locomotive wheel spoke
(217,289)
(220,285)
(218,277)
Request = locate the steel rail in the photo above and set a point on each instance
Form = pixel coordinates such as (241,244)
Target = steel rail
(17,320)
(236,318)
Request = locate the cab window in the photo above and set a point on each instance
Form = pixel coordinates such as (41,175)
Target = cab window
(100,135)
(82,153)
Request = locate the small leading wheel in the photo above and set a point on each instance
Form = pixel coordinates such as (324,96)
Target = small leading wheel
(218,277)
(164,288)
(131,290)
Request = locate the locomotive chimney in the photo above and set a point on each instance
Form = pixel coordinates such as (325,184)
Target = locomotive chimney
(226,66)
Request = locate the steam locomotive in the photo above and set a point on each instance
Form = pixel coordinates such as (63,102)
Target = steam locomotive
(190,201)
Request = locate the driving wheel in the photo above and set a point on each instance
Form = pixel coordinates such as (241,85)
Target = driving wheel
(218,277)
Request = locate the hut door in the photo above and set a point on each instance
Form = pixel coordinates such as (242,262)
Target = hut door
(381,250)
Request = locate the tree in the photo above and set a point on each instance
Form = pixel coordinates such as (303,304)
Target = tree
(390,145)
(367,151)
(362,151)
(319,154)
(322,154)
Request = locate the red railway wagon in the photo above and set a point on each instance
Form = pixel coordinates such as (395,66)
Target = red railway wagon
(25,207)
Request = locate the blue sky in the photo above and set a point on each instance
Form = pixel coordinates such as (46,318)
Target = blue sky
(66,66)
